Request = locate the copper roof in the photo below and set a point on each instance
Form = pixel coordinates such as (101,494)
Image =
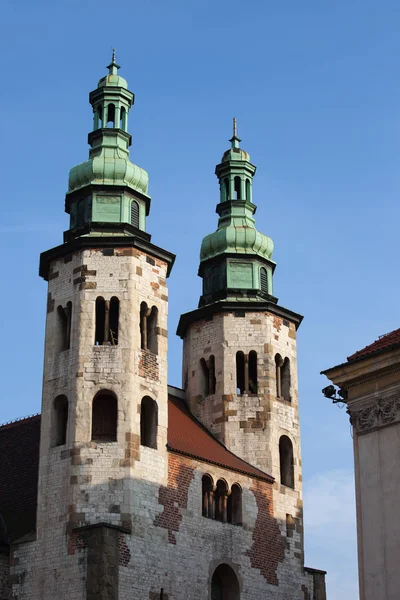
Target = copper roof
(384,342)
(188,436)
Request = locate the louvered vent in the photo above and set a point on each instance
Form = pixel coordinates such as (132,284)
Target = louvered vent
(135,214)
(264,280)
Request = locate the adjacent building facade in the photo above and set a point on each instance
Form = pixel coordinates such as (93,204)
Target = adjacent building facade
(130,488)
(370,384)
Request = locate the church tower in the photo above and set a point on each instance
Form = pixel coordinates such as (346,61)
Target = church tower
(104,408)
(239,356)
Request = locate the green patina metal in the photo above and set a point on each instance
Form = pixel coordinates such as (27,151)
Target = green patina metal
(235,260)
(108,189)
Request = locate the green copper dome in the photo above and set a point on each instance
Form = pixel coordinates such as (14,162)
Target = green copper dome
(235,260)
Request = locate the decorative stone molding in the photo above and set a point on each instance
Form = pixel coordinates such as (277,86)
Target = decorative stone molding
(383,412)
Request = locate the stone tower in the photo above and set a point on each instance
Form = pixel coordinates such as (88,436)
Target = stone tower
(104,407)
(239,357)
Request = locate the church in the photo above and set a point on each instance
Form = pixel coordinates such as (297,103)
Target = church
(125,487)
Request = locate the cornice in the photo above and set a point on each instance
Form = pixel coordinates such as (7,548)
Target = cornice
(383,412)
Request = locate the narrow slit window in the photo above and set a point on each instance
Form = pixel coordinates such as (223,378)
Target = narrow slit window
(100,321)
(135,214)
(64,327)
(104,417)
(286,462)
(114,321)
(285,379)
(253,379)
(148,422)
(60,420)
(240,377)
(278,374)
(152,330)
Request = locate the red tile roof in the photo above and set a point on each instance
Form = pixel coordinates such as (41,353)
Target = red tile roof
(19,460)
(187,435)
(384,342)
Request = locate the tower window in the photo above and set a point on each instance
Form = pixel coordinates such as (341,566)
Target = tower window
(80,213)
(207,496)
(285,379)
(148,422)
(122,122)
(253,379)
(107,321)
(104,417)
(237,190)
(149,328)
(208,381)
(135,214)
(248,190)
(221,501)
(264,280)
(234,508)
(286,461)
(114,321)
(60,420)
(111,115)
(226,189)
(240,373)
(98,119)
(64,315)
(278,374)
(100,321)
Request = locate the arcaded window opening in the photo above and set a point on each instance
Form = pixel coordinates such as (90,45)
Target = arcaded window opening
(286,462)
(113,321)
(111,115)
(104,417)
(149,328)
(224,584)
(285,379)
(148,422)
(60,420)
(234,508)
(264,280)
(221,501)
(122,122)
(253,378)
(207,490)
(64,315)
(100,321)
(135,214)
(278,374)
(237,188)
(240,372)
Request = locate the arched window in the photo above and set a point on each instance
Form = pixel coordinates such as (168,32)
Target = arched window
(122,122)
(111,115)
(286,461)
(221,501)
(224,584)
(235,505)
(240,373)
(237,191)
(278,374)
(253,379)
(98,119)
(207,496)
(63,339)
(226,189)
(148,422)
(208,380)
(248,190)
(285,379)
(113,321)
(104,417)
(149,328)
(80,213)
(264,280)
(100,321)
(135,214)
(60,420)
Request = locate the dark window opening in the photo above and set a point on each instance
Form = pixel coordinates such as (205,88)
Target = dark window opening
(285,379)
(64,315)
(248,190)
(60,421)
(237,191)
(111,115)
(104,417)
(122,121)
(240,373)
(253,379)
(278,367)
(221,501)
(226,189)
(114,321)
(149,328)
(135,214)
(234,508)
(80,213)
(208,380)
(99,118)
(286,461)
(148,422)
(100,321)
(207,497)
(264,280)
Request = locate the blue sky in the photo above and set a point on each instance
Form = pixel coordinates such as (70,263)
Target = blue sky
(315,89)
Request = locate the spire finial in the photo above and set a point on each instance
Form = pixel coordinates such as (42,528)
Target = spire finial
(234,127)
(114,56)
(113,66)
(234,139)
